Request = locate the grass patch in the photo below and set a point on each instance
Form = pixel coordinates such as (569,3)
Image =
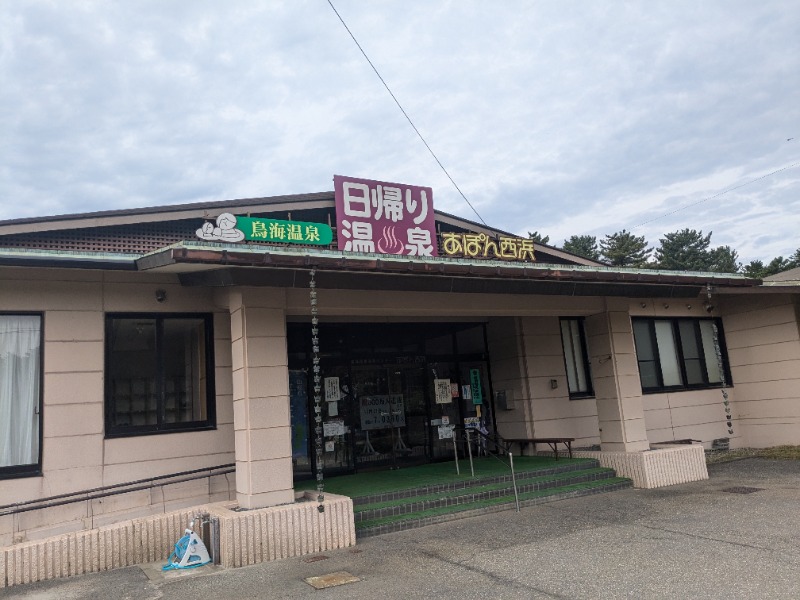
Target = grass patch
(778,453)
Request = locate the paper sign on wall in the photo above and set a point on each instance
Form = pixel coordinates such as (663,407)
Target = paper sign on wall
(472,422)
(333,428)
(445,432)
(466,392)
(332,393)
(443,391)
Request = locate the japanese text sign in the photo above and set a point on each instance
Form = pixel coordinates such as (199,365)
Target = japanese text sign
(441,388)
(382,412)
(230,228)
(480,245)
(475,380)
(291,232)
(388,218)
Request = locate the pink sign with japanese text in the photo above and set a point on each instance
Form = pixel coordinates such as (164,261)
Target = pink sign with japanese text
(388,218)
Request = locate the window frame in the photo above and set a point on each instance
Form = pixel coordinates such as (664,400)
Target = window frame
(589,393)
(679,354)
(33,469)
(209,423)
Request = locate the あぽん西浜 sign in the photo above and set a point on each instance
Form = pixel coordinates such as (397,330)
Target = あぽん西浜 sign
(230,228)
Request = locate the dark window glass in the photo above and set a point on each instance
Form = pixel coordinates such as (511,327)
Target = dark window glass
(676,354)
(576,359)
(158,374)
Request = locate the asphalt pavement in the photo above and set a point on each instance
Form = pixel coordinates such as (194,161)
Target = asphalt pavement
(698,540)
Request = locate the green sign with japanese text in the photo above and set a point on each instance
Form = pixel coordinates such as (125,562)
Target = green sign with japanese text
(287,232)
(475,381)
(230,228)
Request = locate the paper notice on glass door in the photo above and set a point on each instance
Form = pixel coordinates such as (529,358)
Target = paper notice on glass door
(443,391)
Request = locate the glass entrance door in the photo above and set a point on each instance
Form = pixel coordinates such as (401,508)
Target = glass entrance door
(390,396)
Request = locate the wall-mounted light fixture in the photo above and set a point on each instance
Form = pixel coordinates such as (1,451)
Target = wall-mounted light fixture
(161,296)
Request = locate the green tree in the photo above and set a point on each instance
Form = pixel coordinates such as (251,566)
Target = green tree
(794,259)
(754,269)
(724,259)
(623,249)
(759,270)
(583,245)
(539,238)
(684,250)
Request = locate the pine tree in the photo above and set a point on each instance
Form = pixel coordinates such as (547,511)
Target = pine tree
(583,245)
(724,259)
(623,249)
(684,250)
(538,238)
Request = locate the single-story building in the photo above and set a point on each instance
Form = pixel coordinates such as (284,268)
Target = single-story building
(346,330)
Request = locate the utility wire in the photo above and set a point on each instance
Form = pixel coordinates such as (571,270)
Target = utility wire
(405,114)
(717,195)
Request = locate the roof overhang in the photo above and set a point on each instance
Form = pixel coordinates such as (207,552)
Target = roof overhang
(223,265)
(19,257)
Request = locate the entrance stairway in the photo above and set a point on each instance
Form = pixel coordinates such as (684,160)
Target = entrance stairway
(436,503)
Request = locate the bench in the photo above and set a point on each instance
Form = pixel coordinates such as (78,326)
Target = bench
(552,442)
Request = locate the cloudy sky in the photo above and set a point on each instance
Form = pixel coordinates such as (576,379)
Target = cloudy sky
(566,117)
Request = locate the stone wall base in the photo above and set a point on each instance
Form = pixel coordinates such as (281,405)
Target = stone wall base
(246,538)
(658,467)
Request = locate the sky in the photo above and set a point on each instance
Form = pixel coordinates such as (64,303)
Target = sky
(559,116)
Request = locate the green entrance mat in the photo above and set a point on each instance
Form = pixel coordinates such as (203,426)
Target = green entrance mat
(378,482)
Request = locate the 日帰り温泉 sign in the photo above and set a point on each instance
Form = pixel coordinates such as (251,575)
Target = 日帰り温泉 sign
(236,229)
(389,218)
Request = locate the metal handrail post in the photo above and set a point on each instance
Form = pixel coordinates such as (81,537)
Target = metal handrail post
(469,449)
(514,480)
(455,453)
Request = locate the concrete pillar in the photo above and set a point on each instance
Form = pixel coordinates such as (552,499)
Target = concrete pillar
(261,418)
(615,375)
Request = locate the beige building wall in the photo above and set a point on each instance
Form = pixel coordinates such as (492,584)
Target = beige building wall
(763,344)
(75,454)
(251,368)
(507,365)
(690,414)
(554,414)
(764,350)
(615,376)
(262,421)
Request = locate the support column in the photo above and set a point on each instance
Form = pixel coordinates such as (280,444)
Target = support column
(615,374)
(261,415)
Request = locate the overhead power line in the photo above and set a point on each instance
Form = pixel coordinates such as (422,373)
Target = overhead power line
(405,114)
(717,195)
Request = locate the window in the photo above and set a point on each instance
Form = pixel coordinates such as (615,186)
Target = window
(576,358)
(20,394)
(159,374)
(676,354)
